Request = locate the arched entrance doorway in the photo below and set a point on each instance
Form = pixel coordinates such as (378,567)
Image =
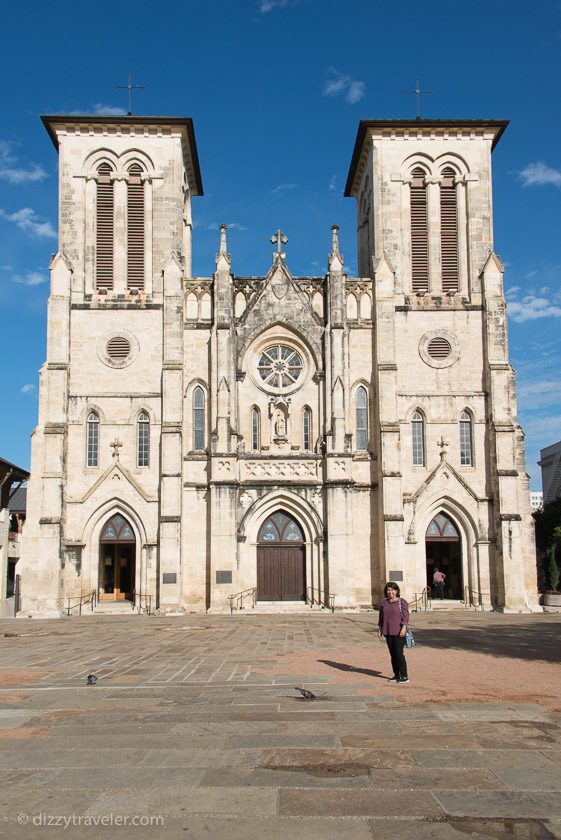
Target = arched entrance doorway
(117,551)
(281,559)
(444,552)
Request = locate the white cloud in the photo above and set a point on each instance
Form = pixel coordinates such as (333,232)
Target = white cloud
(539,392)
(32,278)
(14,174)
(539,174)
(26,219)
(342,84)
(278,190)
(270,5)
(531,307)
(333,184)
(108,110)
(27,389)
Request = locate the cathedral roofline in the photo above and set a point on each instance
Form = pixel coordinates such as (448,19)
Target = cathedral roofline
(388,126)
(51,121)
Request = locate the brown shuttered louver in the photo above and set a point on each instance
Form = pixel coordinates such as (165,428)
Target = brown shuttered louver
(118,348)
(419,233)
(449,232)
(104,229)
(135,229)
(439,348)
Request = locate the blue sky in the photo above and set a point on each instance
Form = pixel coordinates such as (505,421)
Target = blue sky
(276,89)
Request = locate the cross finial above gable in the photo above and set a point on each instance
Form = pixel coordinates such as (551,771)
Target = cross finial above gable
(115,446)
(279,239)
(443,445)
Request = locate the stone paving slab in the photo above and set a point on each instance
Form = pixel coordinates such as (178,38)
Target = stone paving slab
(436,779)
(513,759)
(506,804)
(352,803)
(529,779)
(235,777)
(177,798)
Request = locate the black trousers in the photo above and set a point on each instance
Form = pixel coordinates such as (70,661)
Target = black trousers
(396,645)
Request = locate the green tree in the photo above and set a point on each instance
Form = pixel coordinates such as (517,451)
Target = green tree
(548,540)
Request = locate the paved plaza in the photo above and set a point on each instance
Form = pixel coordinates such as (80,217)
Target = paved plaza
(194,730)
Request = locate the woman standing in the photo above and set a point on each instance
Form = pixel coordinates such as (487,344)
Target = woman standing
(393,619)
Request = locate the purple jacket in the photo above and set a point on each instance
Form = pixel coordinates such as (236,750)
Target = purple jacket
(391,619)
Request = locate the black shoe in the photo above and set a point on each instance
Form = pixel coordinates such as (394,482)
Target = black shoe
(403,680)
(393,679)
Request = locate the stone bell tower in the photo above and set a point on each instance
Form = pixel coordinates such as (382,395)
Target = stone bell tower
(449,441)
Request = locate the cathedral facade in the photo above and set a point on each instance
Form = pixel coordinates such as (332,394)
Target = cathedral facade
(276,442)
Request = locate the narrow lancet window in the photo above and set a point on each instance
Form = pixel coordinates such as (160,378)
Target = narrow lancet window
(92,443)
(143,440)
(255,430)
(306,430)
(466,440)
(361,419)
(198,419)
(418,439)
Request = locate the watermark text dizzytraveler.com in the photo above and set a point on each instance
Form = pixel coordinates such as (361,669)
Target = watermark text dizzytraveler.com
(64,821)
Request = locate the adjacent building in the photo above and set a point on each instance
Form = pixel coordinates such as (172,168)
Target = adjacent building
(550,463)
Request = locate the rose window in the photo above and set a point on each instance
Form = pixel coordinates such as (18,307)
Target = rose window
(280,366)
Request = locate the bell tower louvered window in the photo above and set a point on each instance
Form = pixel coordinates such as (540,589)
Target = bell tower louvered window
(135,228)
(449,231)
(419,233)
(104,228)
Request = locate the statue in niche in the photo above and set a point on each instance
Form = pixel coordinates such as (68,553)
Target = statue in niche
(280,423)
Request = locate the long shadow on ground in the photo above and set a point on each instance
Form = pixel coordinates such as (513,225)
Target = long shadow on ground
(518,641)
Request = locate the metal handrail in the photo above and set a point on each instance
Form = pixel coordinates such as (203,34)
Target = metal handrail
(423,598)
(147,608)
(239,599)
(321,600)
(90,598)
(472,598)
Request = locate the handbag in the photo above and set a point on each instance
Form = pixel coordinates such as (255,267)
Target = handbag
(409,638)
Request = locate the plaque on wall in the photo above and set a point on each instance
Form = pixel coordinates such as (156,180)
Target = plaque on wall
(223,577)
(169,577)
(396,576)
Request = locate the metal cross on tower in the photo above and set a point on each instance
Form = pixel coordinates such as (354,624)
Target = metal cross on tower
(280,240)
(130,87)
(418,93)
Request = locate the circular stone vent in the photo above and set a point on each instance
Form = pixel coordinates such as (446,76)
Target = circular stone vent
(439,348)
(118,348)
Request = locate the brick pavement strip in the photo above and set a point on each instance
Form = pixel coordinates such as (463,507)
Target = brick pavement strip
(197,720)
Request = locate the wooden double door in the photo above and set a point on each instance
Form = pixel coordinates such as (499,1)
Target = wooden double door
(117,552)
(281,560)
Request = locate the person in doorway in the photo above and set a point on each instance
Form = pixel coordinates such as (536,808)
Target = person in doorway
(393,619)
(438,579)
